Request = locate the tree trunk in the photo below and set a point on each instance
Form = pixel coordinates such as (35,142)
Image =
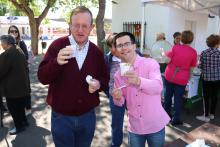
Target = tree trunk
(100,24)
(34,26)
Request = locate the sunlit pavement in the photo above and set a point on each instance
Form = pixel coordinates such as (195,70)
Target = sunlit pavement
(38,133)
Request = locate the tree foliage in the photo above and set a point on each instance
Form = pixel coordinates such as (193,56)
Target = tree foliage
(37,10)
(9,8)
(29,8)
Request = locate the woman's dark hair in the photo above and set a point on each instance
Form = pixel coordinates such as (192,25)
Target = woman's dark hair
(122,34)
(19,36)
(187,37)
(176,34)
(109,40)
(213,40)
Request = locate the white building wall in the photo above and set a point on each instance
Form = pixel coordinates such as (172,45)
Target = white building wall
(157,18)
(164,19)
(178,20)
(125,10)
(213,25)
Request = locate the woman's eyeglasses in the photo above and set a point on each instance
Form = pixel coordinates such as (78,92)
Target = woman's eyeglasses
(13,31)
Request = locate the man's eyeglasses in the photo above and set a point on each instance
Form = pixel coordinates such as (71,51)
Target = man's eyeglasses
(13,31)
(77,26)
(125,45)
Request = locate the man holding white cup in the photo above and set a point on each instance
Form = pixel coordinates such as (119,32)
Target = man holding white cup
(67,63)
(141,95)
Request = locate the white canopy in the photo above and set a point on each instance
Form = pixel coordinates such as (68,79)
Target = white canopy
(205,6)
(212,6)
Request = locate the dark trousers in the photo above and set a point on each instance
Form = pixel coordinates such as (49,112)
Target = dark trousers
(1,102)
(117,123)
(27,102)
(210,94)
(177,91)
(16,108)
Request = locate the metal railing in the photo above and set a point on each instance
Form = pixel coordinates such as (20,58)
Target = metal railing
(135,29)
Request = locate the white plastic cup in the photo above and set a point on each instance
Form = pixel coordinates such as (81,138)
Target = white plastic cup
(124,67)
(73,47)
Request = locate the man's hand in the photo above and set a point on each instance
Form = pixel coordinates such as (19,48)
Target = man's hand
(94,85)
(116,94)
(63,55)
(133,78)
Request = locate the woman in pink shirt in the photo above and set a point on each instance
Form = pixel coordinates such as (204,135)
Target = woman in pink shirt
(141,92)
(181,60)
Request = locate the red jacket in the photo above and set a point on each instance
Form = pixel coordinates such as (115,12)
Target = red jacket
(68,90)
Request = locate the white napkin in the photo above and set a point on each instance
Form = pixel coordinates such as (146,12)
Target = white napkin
(89,79)
(198,143)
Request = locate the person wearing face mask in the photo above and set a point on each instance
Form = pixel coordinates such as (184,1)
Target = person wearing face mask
(14,80)
(14,31)
(139,87)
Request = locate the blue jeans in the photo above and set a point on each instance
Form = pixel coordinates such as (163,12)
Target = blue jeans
(73,131)
(153,140)
(117,123)
(177,91)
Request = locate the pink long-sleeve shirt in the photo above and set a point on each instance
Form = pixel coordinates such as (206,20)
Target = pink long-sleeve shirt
(145,112)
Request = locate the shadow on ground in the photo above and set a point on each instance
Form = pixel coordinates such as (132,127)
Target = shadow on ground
(38,133)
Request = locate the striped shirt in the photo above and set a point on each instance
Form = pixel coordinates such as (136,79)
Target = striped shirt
(210,64)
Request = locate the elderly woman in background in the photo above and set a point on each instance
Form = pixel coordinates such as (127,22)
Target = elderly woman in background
(181,60)
(14,31)
(14,80)
(210,69)
(160,36)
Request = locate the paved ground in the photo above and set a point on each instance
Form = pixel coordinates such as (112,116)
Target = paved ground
(38,133)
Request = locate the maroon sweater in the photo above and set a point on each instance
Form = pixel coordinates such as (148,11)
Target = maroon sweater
(68,90)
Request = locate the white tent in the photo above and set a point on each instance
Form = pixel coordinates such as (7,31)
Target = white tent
(205,6)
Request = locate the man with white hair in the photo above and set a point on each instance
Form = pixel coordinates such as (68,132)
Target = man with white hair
(160,36)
